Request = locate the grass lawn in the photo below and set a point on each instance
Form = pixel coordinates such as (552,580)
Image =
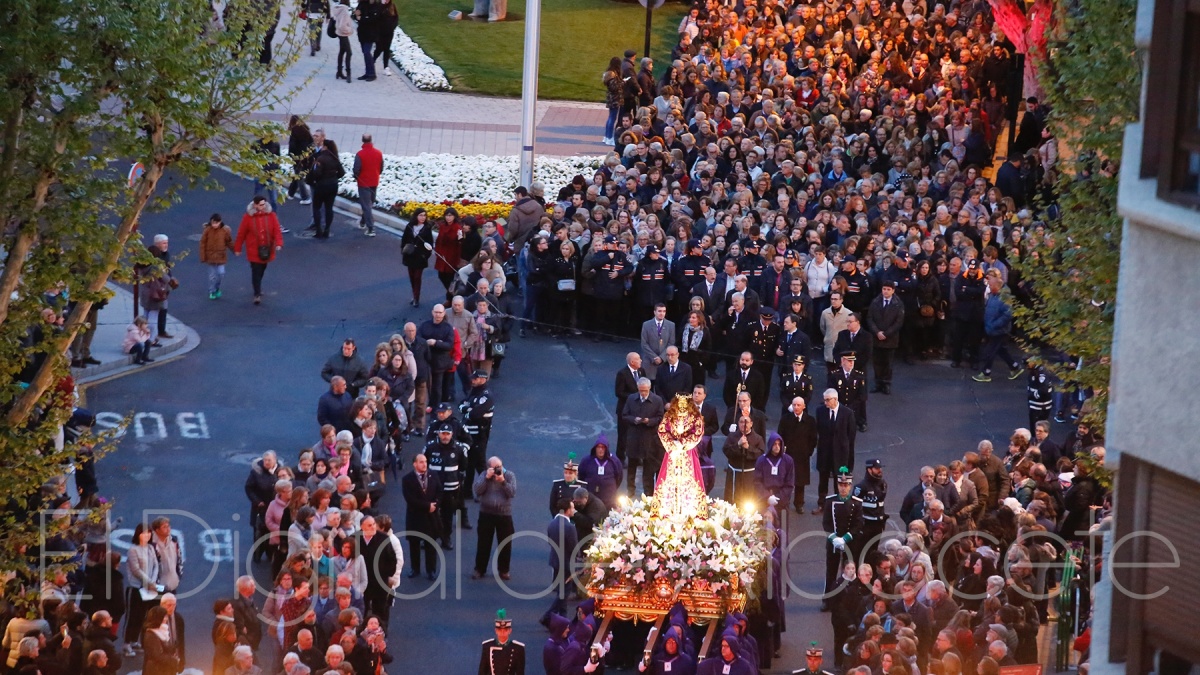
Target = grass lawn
(578,38)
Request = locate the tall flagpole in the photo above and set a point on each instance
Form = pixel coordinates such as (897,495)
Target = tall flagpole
(529,87)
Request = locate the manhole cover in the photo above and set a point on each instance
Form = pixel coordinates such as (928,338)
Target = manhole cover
(554,428)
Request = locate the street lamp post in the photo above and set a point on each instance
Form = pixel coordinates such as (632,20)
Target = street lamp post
(529,87)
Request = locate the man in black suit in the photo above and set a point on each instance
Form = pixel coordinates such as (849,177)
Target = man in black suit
(885,318)
(922,617)
(625,387)
(732,327)
(709,290)
(674,376)
(798,429)
(376,547)
(854,339)
(836,430)
(793,342)
(422,489)
(707,410)
(745,378)
(643,412)
(744,408)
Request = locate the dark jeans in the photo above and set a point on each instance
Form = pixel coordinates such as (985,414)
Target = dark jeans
(414,279)
(441,387)
(140,350)
(995,345)
(345,54)
(384,45)
(323,197)
(417,546)
(368,57)
(492,526)
(964,339)
(257,270)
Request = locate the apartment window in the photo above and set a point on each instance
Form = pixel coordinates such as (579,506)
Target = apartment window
(1171,144)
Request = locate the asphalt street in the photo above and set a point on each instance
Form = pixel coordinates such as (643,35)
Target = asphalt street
(254,381)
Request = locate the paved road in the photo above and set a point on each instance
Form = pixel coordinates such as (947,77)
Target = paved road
(254,381)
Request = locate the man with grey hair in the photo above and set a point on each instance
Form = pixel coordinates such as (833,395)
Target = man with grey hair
(642,413)
(999,481)
(368,165)
(941,606)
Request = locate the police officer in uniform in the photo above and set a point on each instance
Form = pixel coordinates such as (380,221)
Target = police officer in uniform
(843,521)
(608,268)
(444,412)
(795,383)
(764,340)
(1040,393)
(448,460)
(851,386)
(564,488)
(814,659)
(477,410)
(872,491)
(502,655)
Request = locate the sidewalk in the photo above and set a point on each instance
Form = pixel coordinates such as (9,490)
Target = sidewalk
(110,331)
(407,121)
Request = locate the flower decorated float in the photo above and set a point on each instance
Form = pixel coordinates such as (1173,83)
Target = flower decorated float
(678,545)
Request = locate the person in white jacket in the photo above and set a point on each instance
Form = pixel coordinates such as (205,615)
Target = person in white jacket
(343,25)
(385,526)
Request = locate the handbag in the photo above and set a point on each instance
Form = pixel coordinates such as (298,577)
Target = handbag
(264,250)
(566,284)
(409,249)
(498,348)
(927,311)
(331,31)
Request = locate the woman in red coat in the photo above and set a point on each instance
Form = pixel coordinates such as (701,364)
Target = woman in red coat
(260,232)
(447,249)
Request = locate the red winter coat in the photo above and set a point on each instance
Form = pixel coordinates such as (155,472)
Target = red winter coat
(259,227)
(448,247)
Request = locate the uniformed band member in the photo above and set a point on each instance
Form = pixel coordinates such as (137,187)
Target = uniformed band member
(564,488)
(477,410)
(448,458)
(843,522)
(872,491)
(795,383)
(814,659)
(502,655)
(851,386)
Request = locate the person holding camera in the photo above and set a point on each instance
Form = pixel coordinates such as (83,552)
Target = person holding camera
(495,489)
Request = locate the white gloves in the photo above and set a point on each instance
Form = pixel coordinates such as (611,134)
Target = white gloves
(772,500)
(428,246)
(839,544)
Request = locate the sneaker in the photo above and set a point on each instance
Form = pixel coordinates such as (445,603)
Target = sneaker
(387,71)
(128,651)
(982,377)
(371,233)
(258,299)
(361,225)
(284,230)
(212,296)
(306,201)
(1014,374)
(218,294)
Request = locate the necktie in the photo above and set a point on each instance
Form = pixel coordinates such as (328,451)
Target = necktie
(672,370)
(885,303)
(421,476)
(852,336)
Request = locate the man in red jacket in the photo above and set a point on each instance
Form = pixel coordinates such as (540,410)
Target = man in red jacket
(260,233)
(368,164)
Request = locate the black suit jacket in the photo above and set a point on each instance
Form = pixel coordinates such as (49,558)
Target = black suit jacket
(798,344)
(861,345)
(668,385)
(626,386)
(712,302)
(711,422)
(799,441)
(752,383)
(835,439)
(417,516)
(758,420)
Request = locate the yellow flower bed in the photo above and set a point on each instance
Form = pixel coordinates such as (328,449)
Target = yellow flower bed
(481,210)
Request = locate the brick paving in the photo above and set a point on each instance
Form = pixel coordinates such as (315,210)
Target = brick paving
(407,121)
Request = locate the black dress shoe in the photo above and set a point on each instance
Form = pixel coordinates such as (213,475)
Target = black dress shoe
(91,361)
(165,335)
(77,363)
(432,576)
(467,526)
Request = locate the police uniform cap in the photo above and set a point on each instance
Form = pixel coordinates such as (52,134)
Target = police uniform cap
(651,249)
(799,360)
(693,243)
(875,463)
(767,313)
(610,239)
(849,259)
(848,356)
(444,429)
(445,407)
(480,373)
